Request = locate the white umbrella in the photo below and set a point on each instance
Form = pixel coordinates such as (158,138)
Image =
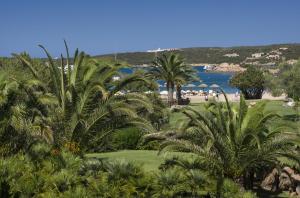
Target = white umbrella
(214,86)
(163,93)
(203,85)
(190,85)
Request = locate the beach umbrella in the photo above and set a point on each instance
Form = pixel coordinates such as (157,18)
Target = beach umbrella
(214,86)
(203,85)
(163,93)
(190,85)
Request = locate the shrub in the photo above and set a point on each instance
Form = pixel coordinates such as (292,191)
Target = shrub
(126,139)
(231,189)
(250,82)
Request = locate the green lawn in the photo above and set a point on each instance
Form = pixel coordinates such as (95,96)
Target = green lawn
(277,106)
(150,160)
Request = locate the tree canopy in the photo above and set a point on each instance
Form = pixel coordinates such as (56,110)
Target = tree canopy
(251,82)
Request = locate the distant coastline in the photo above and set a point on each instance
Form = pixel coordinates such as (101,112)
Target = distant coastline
(244,55)
(214,68)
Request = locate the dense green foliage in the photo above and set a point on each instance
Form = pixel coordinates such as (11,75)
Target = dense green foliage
(251,83)
(46,172)
(287,80)
(212,54)
(79,104)
(236,143)
(54,110)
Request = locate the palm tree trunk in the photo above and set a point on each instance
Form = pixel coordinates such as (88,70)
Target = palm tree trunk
(170,95)
(251,180)
(178,93)
(248,179)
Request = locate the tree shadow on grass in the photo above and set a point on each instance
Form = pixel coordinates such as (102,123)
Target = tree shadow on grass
(261,193)
(292,117)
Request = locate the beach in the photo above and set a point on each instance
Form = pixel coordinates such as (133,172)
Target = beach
(231,97)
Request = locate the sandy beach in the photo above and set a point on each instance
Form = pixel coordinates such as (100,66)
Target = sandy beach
(231,97)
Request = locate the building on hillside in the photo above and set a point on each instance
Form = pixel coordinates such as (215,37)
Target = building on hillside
(283,48)
(231,55)
(275,52)
(273,56)
(257,55)
(116,78)
(163,50)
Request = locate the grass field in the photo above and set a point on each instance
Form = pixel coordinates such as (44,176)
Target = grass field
(149,160)
(288,113)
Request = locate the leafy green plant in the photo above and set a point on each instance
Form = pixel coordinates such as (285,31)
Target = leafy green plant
(251,83)
(89,105)
(126,139)
(45,171)
(229,142)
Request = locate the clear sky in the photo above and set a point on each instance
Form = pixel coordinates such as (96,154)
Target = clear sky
(106,26)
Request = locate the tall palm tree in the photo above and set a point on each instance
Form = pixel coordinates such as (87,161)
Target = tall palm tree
(89,106)
(172,69)
(188,75)
(231,142)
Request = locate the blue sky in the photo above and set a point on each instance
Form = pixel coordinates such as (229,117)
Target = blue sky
(106,26)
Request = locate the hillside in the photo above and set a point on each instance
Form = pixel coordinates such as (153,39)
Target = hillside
(244,55)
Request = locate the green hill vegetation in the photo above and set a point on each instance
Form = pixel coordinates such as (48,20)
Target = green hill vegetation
(215,55)
(60,120)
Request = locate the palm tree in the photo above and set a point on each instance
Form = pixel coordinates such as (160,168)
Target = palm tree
(89,106)
(172,69)
(231,142)
(188,75)
(23,114)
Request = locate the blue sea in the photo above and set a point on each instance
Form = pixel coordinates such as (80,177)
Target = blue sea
(209,78)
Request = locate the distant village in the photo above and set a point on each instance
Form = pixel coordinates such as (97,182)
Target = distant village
(258,58)
(264,59)
(269,58)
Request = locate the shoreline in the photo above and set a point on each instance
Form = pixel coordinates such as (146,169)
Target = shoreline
(213,68)
(231,97)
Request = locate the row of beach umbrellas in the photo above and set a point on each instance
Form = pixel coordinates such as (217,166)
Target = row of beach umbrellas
(214,86)
(201,85)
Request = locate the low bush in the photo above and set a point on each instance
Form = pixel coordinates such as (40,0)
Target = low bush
(126,139)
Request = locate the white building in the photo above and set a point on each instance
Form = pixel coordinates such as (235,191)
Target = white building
(273,56)
(283,48)
(257,55)
(275,52)
(116,78)
(162,50)
(232,55)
